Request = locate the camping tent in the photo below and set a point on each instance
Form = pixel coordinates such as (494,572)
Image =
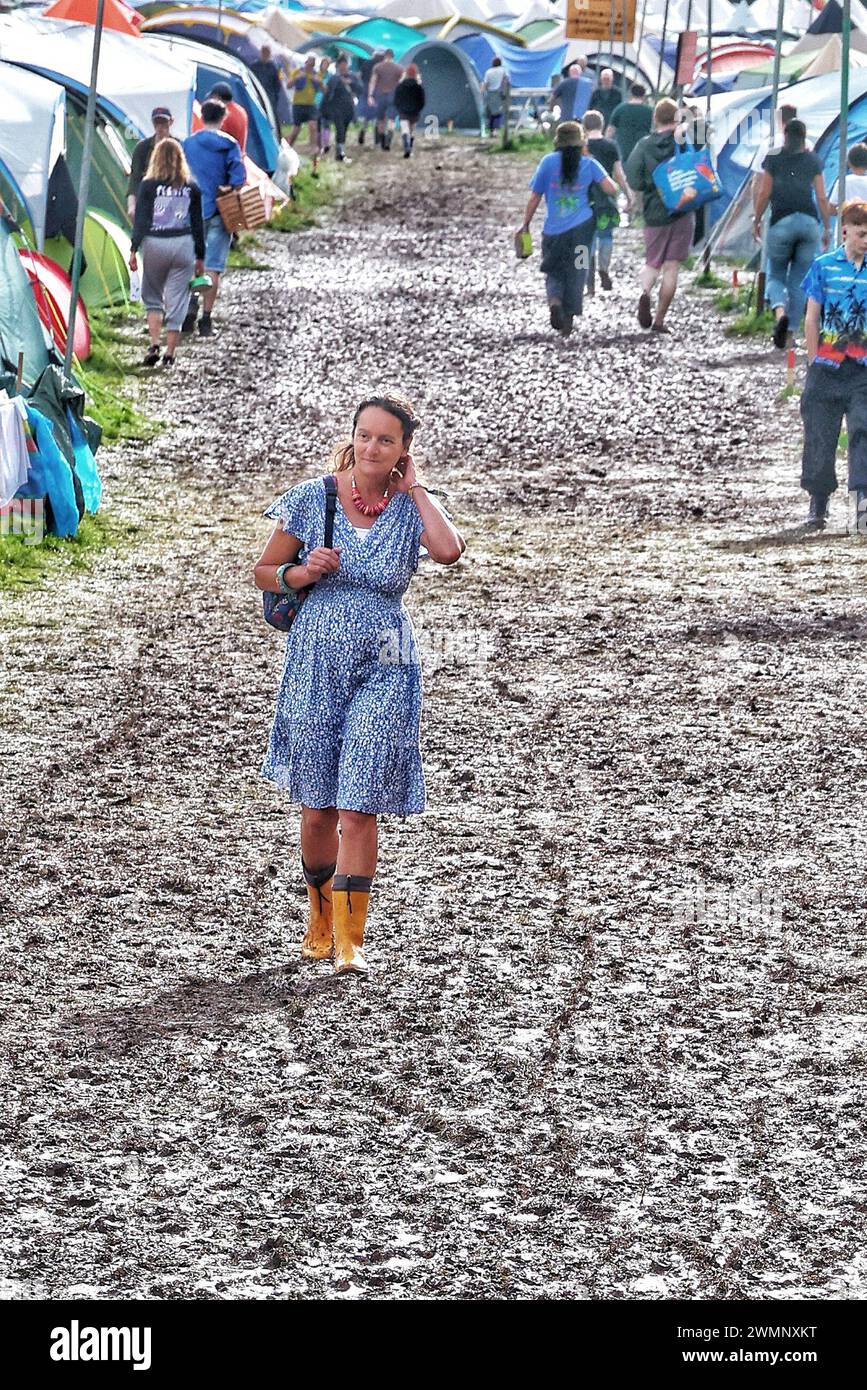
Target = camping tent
(32,134)
(384,33)
(20,329)
(218,65)
(451,86)
(106,252)
(132,80)
(117,16)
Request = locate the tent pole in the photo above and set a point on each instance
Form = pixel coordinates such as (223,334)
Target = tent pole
(778,44)
(638,69)
(623,13)
(662,48)
(844,110)
(83,186)
(709,70)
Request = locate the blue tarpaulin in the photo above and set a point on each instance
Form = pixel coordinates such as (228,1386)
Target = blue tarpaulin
(526,67)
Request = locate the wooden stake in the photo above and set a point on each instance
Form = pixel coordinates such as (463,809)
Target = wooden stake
(19,375)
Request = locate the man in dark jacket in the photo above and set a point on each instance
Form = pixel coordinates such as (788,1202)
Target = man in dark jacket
(268,74)
(667,235)
(605,98)
(161,118)
(338,104)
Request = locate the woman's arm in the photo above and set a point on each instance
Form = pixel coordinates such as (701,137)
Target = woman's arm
(144,206)
(281,550)
(530,210)
(608,186)
(620,178)
(763,197)
(442,541)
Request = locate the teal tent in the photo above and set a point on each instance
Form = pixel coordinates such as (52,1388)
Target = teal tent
(20,329)
(384,33)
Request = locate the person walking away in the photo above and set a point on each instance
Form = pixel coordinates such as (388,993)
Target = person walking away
(304,83)
(323,125)
(495,94)
(855,182)
(784,114)
(267,73)
(215,163)
(667,235)
(568,94)
(383,83)
(409,104)
(836,383)
(563,179)
(345,737)
(605,97)
(161,118)
(367,108)
(605,152)
(790,178)
(169,230)
(236,121)
(630,121)
(338,104)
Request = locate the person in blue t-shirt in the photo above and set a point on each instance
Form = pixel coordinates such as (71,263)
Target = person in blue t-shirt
(564,179)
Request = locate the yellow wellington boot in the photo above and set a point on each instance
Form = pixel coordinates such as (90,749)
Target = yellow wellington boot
(318,943)
(350,895)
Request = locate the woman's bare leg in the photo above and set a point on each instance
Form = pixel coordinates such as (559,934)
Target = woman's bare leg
(358,844)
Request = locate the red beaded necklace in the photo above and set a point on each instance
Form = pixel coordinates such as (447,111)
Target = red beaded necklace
(368,508)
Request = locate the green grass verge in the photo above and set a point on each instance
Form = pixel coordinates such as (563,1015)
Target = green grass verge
(749,323)
(311,196)
(522,142)
(25,566)
(107,371)
(241,257)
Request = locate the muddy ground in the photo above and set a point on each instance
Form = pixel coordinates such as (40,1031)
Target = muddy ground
(613,1041)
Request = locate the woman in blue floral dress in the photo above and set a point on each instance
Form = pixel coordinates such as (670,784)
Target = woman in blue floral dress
(345,738)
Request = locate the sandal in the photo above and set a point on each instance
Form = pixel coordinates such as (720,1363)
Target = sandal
(168,361)
(152,356)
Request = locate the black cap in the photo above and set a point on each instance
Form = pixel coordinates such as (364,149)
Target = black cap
(161,113)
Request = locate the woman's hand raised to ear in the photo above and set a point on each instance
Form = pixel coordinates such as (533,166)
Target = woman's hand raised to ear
(403,475)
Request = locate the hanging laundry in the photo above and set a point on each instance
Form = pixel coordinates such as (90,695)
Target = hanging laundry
(85,465)
(51,478)
(14,457)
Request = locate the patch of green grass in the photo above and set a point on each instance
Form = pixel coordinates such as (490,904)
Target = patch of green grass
(311,196)
(24,565)
(522,142)
(750,323)
(843,444)
(707,280)
(788,392)
(106,372)
(240,257)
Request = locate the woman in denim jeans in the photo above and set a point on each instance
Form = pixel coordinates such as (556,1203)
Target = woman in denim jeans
(790,178)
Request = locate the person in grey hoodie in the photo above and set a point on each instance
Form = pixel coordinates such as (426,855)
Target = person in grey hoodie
(667,235)
(216,165)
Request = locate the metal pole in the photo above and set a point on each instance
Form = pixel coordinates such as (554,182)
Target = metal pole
(638,71)
(83,186)
(845,36)
(775,89)
(679,87)
(662,48)
(623,12)
(709,68)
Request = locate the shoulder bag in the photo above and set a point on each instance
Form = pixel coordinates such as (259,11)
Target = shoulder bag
(281,610)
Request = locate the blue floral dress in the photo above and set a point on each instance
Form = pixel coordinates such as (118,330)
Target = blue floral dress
(346,729)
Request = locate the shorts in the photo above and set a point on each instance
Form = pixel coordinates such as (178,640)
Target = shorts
(217,243)
(385,107)
(671,242)
(302,114)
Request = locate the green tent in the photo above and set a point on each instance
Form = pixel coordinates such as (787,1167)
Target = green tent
(109,169)
(106,251)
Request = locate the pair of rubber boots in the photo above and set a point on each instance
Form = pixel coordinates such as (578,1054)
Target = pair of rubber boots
(338,914)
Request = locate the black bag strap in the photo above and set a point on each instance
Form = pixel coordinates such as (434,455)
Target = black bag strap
(330,508)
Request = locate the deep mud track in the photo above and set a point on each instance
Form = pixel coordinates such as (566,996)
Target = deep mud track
(613,1041)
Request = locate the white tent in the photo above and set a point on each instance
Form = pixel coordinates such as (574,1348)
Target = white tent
(829,58)
(132,80)
(278,25)
(32,136)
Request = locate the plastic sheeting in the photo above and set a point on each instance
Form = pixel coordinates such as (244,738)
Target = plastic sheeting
(526,67)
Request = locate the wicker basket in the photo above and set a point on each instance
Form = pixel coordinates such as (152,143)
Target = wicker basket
(242,209)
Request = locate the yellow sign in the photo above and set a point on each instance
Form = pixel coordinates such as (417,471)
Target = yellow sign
(591,19)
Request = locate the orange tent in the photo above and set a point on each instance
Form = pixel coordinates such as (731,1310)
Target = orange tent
(117,15)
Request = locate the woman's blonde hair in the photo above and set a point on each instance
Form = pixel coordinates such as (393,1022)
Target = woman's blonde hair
(343,457)
(167,163)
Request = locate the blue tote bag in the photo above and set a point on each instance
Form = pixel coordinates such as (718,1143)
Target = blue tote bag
(687,181)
